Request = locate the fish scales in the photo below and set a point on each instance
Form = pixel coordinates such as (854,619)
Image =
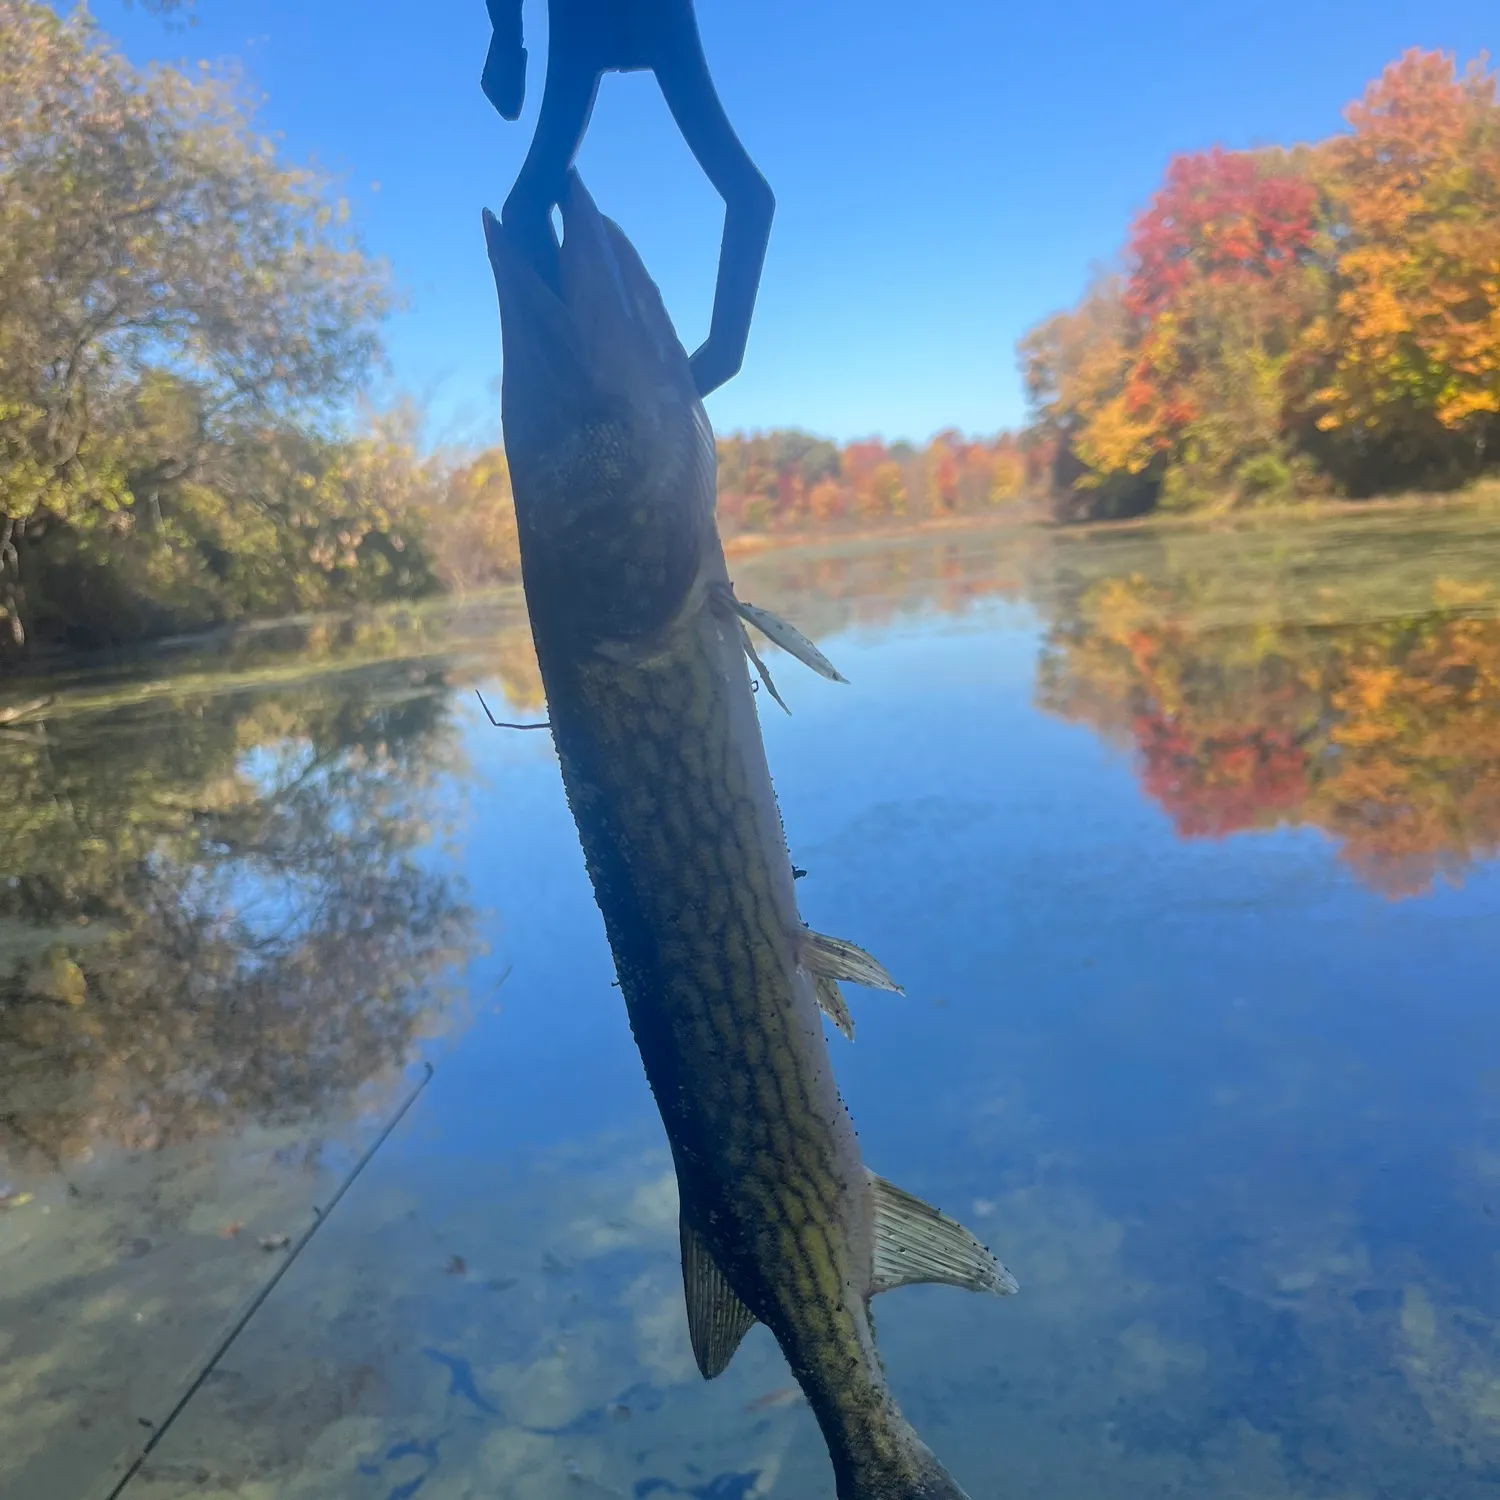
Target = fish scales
(712,1003)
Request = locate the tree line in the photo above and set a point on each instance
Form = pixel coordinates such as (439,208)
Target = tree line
(790,481)
(188,325)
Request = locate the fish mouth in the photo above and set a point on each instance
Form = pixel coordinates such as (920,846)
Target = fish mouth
(611,454)
(599,340)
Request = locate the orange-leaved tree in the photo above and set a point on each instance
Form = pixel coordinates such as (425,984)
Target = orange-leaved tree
(1412,344)
(1319,320)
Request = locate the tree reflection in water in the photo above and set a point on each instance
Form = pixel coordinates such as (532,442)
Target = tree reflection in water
(1383,734)
(213,912)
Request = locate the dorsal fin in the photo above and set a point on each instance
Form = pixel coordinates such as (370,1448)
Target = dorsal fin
(836,958)
(717,1319)
(914,1242)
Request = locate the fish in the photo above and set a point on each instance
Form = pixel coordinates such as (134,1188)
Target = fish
(646,659)
(774,1399)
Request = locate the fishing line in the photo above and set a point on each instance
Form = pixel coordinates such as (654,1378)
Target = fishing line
(499,723)
(320,1217)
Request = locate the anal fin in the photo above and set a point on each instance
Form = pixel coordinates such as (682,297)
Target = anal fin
(915,1243)
(717,1319)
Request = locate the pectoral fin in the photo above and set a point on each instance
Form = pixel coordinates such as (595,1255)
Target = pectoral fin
(790,639)
(833,958)
(914,1242)
(717,1319)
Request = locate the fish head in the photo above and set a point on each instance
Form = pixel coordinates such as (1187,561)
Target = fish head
(611,455)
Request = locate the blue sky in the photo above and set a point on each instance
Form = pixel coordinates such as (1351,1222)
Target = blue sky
(946,173)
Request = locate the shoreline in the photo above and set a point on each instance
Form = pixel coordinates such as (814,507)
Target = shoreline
(1025,515)
(1484,493)
(749,544)
(17,674)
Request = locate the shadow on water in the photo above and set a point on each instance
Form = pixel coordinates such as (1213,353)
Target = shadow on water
(1126,814)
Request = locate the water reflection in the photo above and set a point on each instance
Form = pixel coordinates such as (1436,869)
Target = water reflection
(1235,1118)
(222,937)
(1383,734)
(214,916)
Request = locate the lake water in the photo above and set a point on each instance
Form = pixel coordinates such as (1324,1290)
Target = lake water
(1183,843)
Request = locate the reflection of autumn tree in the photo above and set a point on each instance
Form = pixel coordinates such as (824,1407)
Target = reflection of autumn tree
(822,590)
(217,916)
(513,662)
(1245,778)
(1386,735)
(828,591)
(1415,785)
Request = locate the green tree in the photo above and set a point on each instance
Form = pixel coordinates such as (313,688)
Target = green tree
(178,309)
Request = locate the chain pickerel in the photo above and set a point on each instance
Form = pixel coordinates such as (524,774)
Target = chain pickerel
(644,652)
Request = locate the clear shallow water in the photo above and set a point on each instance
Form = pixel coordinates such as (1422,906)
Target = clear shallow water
(1182,844)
